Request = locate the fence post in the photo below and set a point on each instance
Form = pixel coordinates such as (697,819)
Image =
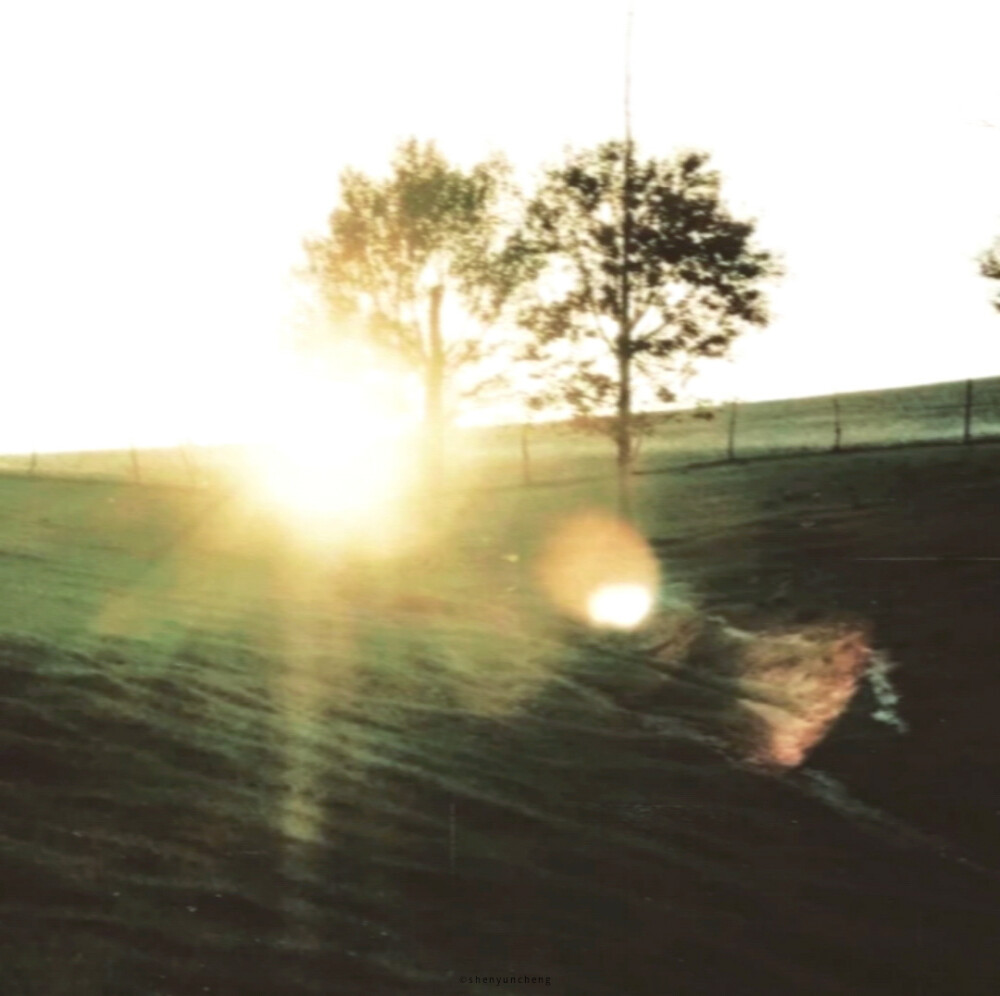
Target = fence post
(33,463)
(836,423)
(731,445)
(967,428)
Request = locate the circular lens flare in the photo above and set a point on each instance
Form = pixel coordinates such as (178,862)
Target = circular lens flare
(619,606)
(600,571)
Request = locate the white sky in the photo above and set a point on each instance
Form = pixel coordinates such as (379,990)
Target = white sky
(160,164)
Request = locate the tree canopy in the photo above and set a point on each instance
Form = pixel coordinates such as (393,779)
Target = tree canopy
(624,271)
(397,247)
(643,270)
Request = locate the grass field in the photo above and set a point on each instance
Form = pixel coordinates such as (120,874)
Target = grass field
(236,763)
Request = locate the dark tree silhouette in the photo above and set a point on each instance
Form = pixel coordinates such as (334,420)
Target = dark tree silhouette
(398,248)
(643,271)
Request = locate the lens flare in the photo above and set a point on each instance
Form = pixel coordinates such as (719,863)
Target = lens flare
(332,458)
(600,571)
(619,606)
(339,479)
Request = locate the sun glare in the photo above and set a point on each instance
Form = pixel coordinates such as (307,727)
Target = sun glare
(619,606)
(331,454)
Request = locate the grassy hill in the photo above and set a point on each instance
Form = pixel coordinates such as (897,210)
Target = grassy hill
(898,416)
(234,762)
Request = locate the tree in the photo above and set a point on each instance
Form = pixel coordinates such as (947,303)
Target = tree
(644,270)
(989,267)
(397,249)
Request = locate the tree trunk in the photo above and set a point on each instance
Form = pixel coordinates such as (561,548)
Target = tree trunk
(434,395)
(623,434)
(624,428)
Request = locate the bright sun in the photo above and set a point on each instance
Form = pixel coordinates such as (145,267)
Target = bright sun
(331,451)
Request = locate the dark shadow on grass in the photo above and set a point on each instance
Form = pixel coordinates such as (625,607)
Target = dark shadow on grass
(587,833)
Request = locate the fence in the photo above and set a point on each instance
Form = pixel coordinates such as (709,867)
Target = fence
(964,411)
(180,466)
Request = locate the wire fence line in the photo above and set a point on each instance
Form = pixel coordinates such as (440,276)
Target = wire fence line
(959,412)
(956,412)
(963,411)
(180,466)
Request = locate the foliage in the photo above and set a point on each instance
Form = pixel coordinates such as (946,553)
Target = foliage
(689,285)
(396,248)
